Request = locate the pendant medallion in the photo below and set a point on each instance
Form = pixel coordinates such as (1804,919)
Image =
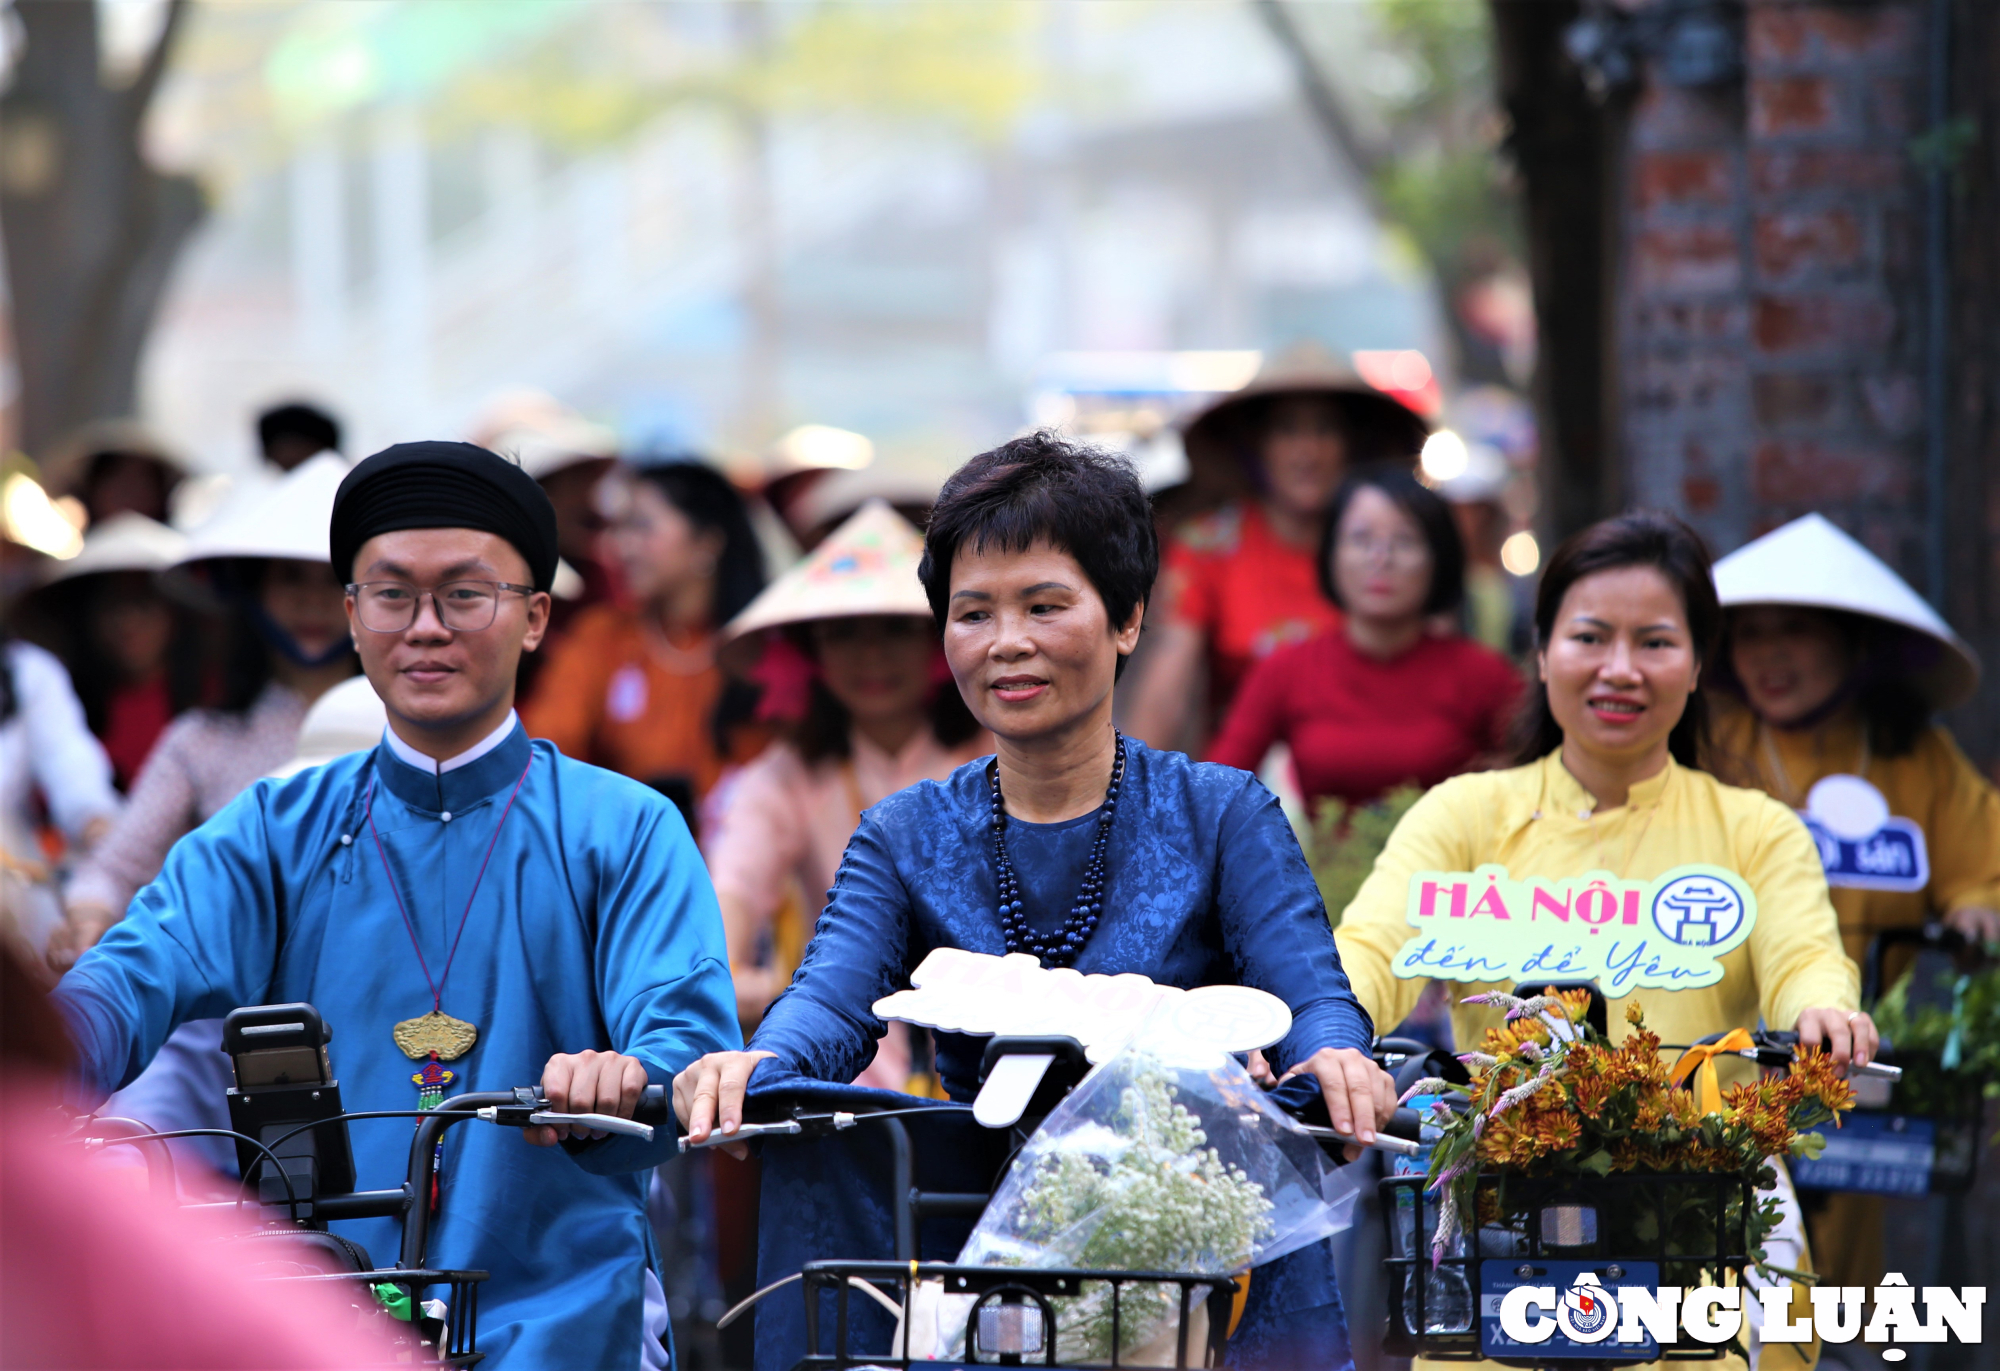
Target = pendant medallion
(435,1035)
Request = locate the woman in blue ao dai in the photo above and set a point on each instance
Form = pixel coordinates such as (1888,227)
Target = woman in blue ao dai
(1073,843)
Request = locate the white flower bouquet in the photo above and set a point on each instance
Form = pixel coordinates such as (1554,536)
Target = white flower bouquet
(1153,1164)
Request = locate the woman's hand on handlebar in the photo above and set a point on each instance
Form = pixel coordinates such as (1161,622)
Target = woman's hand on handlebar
(1360,1096)
(1849,1034)
(587,1083)
(708,1096)
(1979,925)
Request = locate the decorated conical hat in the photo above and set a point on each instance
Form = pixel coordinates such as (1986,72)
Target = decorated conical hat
(1811,562)
(124,542)
(348,718)
(866,566)
(286,518)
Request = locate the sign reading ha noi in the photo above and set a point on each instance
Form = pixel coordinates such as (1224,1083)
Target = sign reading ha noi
(955,991)
(1669,933)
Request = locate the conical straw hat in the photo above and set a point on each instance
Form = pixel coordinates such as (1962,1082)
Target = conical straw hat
(543,434)
(286,518)
(66,466)
(124,542)
(866,566)
(1811,562)
(1223,440)
(348,718)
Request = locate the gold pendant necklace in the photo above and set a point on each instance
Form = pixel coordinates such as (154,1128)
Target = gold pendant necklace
(437,1037)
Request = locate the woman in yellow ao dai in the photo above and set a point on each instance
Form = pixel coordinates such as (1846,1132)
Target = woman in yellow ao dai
(1626,615)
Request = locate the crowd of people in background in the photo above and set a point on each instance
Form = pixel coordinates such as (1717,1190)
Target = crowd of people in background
(1317,596)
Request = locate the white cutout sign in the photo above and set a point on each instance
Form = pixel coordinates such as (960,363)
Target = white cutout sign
(1014,995)
(1861,844)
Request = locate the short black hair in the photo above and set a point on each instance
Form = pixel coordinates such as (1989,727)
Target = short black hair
(1083,500)
(296,419)
(1643,538)
(1433,519)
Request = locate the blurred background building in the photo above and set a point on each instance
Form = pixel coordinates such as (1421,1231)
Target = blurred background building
(704,224)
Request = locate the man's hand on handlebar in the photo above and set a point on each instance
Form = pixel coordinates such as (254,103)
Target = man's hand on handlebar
(1360,1096)
(708,1096)
(1849,1034)
(587,1083)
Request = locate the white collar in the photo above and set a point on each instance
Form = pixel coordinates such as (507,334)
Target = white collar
(430,766)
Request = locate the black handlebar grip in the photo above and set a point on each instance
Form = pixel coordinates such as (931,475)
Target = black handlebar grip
(655,1107)
(1405,1123)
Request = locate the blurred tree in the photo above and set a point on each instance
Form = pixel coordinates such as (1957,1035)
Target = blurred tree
(92,229)
(965,65)
(1422,125)
(1566,146)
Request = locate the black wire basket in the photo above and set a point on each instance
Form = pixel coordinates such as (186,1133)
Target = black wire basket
(451,1341)
(1013,1320)
(1640,1227)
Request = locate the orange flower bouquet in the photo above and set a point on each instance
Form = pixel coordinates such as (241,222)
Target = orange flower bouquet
(1550,1099)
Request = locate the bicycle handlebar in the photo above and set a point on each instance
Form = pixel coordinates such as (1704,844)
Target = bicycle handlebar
(1779,1049)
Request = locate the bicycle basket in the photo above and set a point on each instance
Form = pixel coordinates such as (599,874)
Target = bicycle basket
(1685,1229)
(1011,1315)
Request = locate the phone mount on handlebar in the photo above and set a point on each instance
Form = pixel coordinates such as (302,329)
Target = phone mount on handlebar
(1597,1014)
(1025,1078)
(284,1080)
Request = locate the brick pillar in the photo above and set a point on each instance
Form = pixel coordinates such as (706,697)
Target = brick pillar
(1770,325)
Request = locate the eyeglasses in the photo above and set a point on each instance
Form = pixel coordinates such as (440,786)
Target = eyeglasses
(462,606)
(1396,551)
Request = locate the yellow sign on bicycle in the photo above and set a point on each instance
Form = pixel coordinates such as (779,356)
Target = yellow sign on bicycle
(1669,933)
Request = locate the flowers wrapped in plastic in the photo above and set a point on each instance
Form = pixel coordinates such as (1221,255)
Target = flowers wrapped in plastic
(1161,1160)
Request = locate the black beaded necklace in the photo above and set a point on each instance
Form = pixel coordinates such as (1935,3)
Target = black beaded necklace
(1060,947)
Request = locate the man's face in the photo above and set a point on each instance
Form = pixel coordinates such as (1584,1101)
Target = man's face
(435,674)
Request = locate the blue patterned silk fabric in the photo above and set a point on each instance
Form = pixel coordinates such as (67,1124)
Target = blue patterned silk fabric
(1206,885)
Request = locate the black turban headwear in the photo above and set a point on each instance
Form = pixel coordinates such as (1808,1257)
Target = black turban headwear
(444,485)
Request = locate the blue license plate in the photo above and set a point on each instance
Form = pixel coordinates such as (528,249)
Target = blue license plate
(1498,1276)
(1877,1154)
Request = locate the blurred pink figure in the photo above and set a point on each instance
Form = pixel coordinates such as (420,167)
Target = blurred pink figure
(94,1272)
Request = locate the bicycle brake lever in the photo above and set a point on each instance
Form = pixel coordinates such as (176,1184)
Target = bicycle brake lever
(1401,1147)
(1777,1057)
(520,1116)
(805,1125)
(717,1138)
(602,1123)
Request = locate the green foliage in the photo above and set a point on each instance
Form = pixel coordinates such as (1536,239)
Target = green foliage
(1968,1009)
(1448,45)
(955,65)
(1344,841)
(1444,183)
